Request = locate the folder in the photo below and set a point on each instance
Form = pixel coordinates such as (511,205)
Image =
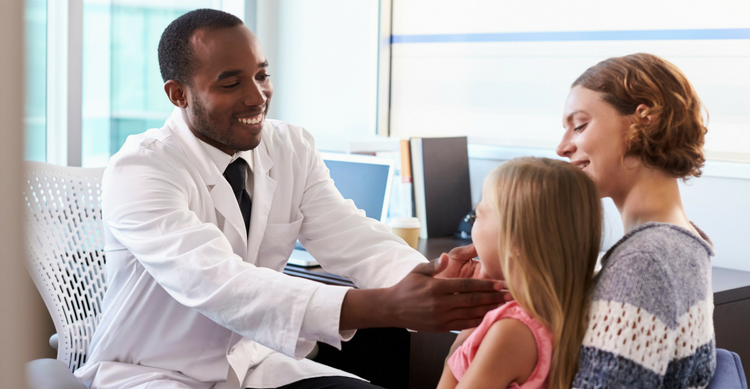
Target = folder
(442,191)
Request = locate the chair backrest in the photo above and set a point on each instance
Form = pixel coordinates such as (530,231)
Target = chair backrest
(65,251)
(729,373)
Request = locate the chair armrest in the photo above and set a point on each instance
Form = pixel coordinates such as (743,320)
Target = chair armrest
(53,341)
(50,373)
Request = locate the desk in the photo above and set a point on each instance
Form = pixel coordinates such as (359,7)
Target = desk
(395,358)
(732,312)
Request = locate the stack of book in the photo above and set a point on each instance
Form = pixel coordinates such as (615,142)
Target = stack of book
(442,191)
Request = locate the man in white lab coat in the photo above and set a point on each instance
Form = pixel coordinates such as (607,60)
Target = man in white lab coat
(196,297)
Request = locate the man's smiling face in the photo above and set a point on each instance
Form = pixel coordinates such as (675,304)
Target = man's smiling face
(230,90)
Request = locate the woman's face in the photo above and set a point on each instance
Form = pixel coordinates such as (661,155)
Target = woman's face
(594,140)
(485,234)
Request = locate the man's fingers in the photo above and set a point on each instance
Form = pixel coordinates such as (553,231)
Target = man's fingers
(469,300)
(428,303)
(466,285)
(444,258)
(431,268)
(463,252)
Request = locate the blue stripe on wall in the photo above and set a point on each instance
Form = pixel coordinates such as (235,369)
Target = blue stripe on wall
(634,35)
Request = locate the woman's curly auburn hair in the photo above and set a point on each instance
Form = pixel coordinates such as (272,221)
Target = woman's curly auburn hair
(673,140)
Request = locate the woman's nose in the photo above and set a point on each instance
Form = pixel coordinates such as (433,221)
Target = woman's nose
(566,147)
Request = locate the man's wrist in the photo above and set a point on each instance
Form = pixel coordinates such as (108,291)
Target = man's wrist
(364,308)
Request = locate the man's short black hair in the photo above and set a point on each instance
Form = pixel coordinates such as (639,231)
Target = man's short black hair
(176,56)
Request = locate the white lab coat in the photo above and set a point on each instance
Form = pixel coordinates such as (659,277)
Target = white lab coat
(187,291)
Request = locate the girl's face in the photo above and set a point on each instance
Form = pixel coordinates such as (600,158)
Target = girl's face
(594,140)
(485,234)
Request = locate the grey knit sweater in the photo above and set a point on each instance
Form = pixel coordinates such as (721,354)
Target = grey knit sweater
(651,318)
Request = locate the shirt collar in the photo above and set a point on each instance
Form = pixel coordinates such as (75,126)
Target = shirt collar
(222,159)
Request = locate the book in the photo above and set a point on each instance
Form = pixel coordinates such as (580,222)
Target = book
(405,196)
(442,191)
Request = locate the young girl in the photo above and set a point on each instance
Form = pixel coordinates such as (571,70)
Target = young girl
(538,227)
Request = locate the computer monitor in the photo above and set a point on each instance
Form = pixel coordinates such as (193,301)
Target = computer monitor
(366,180)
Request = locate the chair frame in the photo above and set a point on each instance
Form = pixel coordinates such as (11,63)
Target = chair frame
(65,251)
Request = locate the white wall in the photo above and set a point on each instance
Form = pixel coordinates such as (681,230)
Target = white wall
(323,58)
(721,208)
(18,324)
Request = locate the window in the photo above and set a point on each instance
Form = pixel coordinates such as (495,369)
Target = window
(324,61)
(35,107)
(499,72)
(495,71)
(122,88)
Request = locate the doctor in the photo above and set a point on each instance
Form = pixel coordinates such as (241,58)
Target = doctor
(200,218)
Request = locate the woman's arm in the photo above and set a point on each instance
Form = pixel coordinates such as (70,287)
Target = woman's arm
(508,353)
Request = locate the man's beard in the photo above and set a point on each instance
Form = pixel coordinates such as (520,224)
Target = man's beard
(201,120)
(203,124)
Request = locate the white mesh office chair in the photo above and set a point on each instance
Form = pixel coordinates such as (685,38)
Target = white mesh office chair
(65,257)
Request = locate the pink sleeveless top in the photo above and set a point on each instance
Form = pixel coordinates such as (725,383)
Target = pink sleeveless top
(460,360)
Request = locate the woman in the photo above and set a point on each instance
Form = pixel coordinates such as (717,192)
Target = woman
(634,125)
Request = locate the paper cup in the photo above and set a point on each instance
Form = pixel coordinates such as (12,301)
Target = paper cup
(407,228)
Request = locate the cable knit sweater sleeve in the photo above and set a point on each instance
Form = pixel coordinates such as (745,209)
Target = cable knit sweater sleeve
(650,321)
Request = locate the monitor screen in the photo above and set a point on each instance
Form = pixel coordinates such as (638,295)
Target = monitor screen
(364,180)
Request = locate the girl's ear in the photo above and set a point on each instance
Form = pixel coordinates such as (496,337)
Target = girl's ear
(640,113)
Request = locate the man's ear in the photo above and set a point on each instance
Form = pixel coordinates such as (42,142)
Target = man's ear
(177,93)
(639,113)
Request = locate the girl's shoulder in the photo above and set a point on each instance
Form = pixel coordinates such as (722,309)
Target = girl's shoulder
(496,335)
(512,310)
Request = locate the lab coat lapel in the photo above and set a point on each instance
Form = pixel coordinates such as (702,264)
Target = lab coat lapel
(219,189)
(264,188)
(234,226)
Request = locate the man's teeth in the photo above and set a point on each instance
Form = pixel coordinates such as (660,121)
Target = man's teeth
(583,164)
(254,120)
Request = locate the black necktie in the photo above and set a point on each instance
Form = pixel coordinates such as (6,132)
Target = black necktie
(235,175)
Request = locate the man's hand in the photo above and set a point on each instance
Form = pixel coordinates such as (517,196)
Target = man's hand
(461,263)
(423,302)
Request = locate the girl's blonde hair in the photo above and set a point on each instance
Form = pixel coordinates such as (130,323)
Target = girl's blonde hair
(550,230)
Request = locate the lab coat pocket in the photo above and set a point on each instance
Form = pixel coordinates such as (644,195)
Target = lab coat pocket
(278,243)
